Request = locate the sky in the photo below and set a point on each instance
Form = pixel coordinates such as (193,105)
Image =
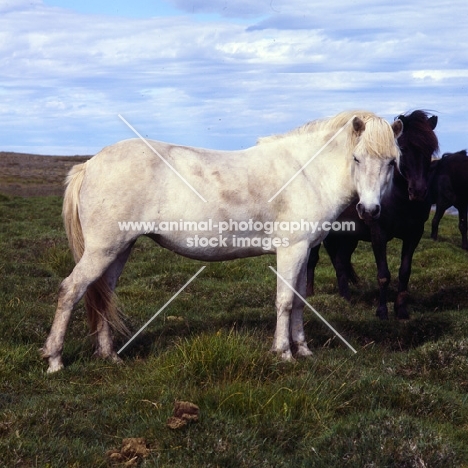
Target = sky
(221,73)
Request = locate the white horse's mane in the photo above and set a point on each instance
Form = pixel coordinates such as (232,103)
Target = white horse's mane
(381,131)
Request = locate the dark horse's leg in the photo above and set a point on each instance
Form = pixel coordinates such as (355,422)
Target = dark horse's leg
(462,223)
(379,246)
(409,246)
(440,210)
(445,199)
(311,264)
(340,249)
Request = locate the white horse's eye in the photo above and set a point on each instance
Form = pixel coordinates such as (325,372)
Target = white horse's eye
(392,162)
(356,159)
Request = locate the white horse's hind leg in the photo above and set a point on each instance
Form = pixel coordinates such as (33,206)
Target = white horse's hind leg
(291,263)
(104,339)
(87,270)
(105,343)
(52,349)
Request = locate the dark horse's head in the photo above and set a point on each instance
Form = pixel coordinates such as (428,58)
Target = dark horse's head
(417,143)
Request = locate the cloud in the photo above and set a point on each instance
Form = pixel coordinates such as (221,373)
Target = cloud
(440,75)
(225,8)
(7,6)
(205,78)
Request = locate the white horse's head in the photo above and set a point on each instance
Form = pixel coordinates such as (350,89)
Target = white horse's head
(374,155)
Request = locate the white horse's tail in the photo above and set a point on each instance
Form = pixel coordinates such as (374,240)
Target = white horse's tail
(99,298)
(71,217)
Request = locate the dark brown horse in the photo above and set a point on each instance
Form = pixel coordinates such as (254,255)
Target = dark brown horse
(404,210)
(450,188)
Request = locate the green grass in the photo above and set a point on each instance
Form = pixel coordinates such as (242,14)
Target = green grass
(401,401)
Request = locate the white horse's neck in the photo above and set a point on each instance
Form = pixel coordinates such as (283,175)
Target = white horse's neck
(325,175)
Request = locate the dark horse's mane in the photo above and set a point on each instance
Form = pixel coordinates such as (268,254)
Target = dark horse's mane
(420,137)
(458,153)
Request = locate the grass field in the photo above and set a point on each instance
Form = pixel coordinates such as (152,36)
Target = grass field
(401,401)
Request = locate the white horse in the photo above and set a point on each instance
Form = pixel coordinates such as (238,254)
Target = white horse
(333,160)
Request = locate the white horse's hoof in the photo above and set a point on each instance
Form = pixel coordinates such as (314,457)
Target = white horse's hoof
(55,365)
(55,362)
(115,359)
(285,356)
(303,350)
(112,357)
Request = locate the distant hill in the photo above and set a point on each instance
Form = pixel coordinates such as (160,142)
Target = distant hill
(30,175)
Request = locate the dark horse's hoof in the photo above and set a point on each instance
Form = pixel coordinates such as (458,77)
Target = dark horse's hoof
(382,312)
(401,312)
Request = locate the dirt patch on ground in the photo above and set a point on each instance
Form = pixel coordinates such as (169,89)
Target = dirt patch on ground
(131,453)
(29,175)
(184,413)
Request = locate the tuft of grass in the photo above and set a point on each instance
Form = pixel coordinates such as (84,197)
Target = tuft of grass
(58,260)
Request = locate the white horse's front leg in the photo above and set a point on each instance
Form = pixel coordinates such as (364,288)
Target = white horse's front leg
(291,264)
(297,315)
(281,341)
(297,327)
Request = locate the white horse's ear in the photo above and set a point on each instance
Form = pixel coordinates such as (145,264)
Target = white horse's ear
(397,127)
(358,125)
